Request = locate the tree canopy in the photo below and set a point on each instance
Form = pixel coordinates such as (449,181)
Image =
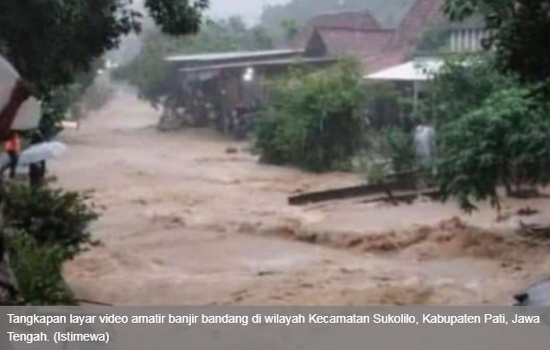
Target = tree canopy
(147,71)
(506,141)
(520,31)
(493,131)
(461,86)
(53,42)
(492,110)
(315,119)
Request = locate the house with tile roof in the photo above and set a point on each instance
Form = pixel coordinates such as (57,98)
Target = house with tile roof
(361,35)
(225,80)
(469,35)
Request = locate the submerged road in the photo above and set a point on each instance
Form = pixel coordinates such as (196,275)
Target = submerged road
(186,223)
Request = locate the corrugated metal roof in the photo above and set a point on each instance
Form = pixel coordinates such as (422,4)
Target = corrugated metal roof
(221,56)
(266,63)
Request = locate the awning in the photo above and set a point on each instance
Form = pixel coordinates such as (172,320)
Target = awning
(420,70)
(23,115)
(211,58)
(8,78)
(262,63)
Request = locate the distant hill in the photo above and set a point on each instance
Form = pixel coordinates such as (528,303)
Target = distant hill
(388,12)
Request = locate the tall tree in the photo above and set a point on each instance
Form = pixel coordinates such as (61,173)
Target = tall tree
(498,135)
(53,42)
(147,71)
(520,31)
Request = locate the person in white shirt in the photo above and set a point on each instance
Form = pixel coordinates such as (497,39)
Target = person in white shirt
(425,147)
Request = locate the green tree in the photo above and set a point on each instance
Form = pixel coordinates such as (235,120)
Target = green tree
(53,42)
(461,85)
(50,215)
(38,270)
(315,120)
(435,38)
(498,132)
(505,141)
(147,72)
(290,28)
(520,33)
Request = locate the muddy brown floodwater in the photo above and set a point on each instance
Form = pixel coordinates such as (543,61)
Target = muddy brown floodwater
(187,223)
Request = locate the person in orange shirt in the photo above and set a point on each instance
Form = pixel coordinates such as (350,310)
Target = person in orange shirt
(13,149)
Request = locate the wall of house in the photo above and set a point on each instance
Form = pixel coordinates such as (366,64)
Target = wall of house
(467,40)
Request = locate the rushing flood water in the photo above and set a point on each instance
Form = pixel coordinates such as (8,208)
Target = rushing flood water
(187,223)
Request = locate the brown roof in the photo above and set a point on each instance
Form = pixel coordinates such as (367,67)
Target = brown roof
(384,60)
(407,36)
(418,17)
(339,20)
(347,20)
(359,42)
(359,34)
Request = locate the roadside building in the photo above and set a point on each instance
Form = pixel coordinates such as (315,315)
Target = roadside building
(210,88)
(215,88)
(377,44)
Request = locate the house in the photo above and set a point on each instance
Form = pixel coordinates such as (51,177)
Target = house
(215,84)
(468,36)
(361,35)
(208,88)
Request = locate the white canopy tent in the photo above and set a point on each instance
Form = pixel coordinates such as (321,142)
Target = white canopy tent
(418,70)
(414,71)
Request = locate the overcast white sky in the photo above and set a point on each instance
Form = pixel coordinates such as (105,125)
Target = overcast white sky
(250,10)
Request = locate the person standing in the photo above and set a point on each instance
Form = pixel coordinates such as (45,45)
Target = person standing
(37,171)
(425,148)
(13,149)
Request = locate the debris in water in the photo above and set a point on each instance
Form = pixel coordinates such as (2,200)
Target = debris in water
(527,212)
(267,273)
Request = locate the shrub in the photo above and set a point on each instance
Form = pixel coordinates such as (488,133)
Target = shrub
(315,120)
(51,216)
(398,146)
(387,151)
(37,269)
(461,86)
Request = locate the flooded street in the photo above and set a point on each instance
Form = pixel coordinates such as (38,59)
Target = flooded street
(187,221)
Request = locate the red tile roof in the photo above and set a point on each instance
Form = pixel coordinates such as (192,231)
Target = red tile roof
(339,20)
(360,42)
(358,33)
(407,36)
